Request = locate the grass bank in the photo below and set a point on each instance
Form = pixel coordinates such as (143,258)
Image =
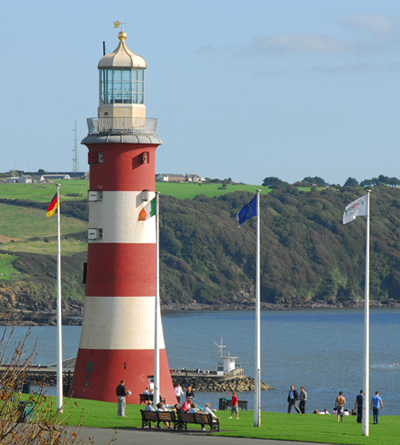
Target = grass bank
(277,426)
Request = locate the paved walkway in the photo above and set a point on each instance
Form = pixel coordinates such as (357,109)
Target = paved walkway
(147,437)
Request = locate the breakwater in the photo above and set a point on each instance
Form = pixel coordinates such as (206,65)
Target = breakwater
(47,376)
(218,383)
(199,382)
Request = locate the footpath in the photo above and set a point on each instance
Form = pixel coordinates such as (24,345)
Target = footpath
(141,437)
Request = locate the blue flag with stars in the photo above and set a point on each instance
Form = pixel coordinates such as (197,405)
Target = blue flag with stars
(248,211)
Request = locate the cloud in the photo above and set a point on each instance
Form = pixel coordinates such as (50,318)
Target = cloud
(356,68)
(375,24)
(304,44)
(349,67)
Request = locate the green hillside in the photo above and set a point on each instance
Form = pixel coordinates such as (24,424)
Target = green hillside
(306,252)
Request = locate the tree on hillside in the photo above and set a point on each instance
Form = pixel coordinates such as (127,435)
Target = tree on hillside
(316,180)
(381,179)
(273,182)
(394,182)
(367,183)
(351,182)
(213,180)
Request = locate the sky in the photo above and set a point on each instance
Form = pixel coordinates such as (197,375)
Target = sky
(241,89)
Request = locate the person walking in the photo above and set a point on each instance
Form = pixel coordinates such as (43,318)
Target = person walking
(235,405)
(359,405)
(121,394)
(340,401)
(293,397)
(178,392)
(303,399)
(376,402)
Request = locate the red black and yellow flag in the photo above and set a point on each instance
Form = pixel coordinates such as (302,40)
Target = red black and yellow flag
(52,207)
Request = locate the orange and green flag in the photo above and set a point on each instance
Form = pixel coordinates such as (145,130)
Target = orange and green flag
(52,207)
(148,210)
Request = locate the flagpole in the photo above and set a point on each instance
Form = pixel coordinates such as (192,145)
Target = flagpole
(157,321)
(257,380)
(59,319)
(365,417)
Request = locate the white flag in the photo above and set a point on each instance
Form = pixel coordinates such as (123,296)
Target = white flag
(359,207)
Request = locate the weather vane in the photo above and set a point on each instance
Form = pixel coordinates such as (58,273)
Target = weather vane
(120,24)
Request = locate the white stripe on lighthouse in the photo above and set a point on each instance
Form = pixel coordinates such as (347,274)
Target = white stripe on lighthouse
(117,215)
(119,323)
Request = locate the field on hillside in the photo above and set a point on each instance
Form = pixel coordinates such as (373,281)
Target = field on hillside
(22,223)
(25,229)
(189,191)
(77,189)
(69,190)
(6,267)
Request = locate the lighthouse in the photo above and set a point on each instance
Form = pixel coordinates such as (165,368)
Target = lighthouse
(118,328)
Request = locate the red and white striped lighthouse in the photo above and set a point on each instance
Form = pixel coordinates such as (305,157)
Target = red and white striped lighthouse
(117,337)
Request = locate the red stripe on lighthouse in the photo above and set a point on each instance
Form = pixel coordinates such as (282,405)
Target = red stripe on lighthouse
(121,270)
(122,168)
(99,371)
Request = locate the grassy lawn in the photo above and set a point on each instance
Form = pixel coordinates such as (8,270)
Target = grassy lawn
(306,428)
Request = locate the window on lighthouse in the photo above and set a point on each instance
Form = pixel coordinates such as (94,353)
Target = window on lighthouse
(118,86)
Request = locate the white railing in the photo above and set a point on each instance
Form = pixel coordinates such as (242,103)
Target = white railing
(140,125)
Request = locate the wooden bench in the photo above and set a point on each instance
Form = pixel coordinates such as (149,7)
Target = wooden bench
(144,398)
(242,404)
(158,416)
(197,418)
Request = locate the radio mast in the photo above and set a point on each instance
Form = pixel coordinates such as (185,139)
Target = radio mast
(75,160)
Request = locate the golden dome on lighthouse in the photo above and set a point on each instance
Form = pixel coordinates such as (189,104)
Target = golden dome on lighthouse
(122,57)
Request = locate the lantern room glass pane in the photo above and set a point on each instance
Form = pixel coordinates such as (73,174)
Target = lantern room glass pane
(110,92)
(117,86)
(122,86)
(126,86)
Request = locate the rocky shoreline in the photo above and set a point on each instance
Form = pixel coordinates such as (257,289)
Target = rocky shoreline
(221,384)
(72,316)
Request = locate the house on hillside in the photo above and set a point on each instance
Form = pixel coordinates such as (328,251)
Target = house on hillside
(170,177)
(68,175)
(50,177)
(25,179)
(12,180)
(193,178)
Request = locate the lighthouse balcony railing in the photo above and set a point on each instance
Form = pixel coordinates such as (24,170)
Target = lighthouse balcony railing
(135,125)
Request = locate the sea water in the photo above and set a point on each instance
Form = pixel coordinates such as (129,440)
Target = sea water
(319,349)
